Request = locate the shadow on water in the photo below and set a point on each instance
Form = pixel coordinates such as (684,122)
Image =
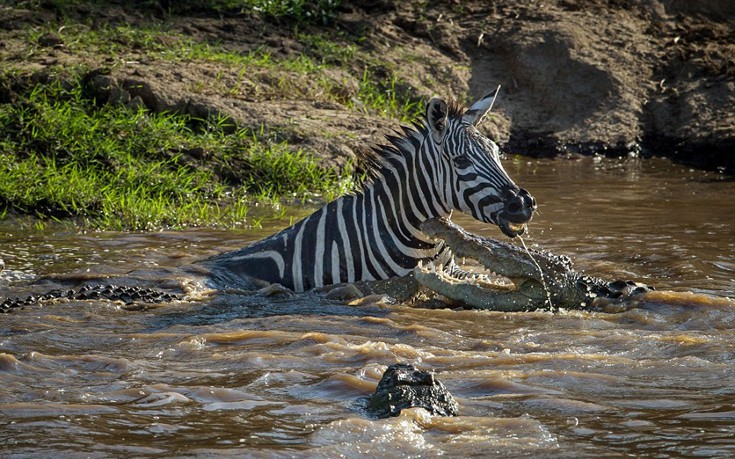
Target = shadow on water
(226,307)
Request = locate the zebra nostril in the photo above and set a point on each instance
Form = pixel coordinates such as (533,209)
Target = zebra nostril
(528,200)
(514,206)
(519,204)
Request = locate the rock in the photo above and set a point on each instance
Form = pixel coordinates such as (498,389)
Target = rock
(148,92)
(404,386)
(136,103)
(100,86)
(50,40)
(343,292)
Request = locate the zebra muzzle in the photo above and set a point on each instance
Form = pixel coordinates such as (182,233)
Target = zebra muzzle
(517,212)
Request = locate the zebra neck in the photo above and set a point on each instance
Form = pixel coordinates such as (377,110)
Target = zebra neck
(410,179)
(395,210)
(403,194)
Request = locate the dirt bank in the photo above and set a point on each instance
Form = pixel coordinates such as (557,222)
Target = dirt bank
(615,77)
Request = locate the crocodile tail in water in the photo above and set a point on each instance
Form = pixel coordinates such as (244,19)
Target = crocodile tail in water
(126,294)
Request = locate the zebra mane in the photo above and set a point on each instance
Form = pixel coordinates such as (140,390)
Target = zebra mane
(402,144)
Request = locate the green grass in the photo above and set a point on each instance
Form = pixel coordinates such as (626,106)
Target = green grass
(302,11)
(115,168)
(387,96)
(321,12)
(297,11)
(307,75)
(326,50)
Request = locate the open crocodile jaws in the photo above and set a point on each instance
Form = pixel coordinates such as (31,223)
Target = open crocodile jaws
(539,279)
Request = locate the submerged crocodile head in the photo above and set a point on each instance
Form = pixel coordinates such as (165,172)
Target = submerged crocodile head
(530,279)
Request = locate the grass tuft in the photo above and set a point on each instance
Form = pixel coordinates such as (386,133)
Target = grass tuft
(387,96)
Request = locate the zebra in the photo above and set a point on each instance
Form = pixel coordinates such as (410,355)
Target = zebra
(427,171)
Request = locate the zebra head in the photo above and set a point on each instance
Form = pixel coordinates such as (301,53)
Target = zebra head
(475,181)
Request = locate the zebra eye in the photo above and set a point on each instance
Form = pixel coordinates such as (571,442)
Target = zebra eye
(462,161)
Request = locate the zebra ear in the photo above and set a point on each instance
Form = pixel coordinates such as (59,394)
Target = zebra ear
(436,117)
(479,109)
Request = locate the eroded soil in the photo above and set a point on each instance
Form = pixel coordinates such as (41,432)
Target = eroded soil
(612,77)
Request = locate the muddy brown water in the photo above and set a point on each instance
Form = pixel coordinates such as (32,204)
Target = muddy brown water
(241,375)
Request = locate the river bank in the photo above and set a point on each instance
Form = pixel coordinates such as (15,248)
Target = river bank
(330,80)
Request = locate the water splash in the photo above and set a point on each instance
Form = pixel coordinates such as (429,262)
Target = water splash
(541,273)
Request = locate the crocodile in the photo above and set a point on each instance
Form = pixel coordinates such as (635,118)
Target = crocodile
(515,278)
(522,280)
(404,386)
(133,297)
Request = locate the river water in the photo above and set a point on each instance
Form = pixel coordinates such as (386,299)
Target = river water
(249,375)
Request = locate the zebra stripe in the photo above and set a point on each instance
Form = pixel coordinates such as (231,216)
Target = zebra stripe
(296,276)
(346,247)
(319,259)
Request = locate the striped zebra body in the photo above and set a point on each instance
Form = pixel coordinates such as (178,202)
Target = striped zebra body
(374,234)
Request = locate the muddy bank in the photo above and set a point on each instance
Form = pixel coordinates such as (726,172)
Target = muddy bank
(648,77)
(619,77)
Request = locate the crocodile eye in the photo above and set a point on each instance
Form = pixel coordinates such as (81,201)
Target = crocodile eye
(462,162)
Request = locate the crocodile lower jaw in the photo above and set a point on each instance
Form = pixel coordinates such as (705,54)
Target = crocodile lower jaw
(454,275)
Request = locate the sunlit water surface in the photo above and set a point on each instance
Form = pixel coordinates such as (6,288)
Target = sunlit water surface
(256,376)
